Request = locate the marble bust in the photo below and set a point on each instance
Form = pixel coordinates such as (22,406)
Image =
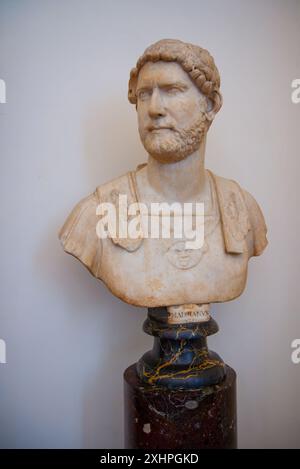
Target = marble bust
(175,88)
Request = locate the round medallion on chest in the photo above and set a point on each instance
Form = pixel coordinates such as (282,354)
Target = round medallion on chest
(183,258)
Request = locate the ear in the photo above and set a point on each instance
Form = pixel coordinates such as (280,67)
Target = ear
(213,106)
(132,86)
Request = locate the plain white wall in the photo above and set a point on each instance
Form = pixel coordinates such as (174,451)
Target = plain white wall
(67,127)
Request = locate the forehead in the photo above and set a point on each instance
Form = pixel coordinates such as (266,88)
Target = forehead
(162,73)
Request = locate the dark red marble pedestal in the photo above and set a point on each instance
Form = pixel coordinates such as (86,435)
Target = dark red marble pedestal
(162,418)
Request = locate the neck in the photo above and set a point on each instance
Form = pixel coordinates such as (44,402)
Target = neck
(183,180)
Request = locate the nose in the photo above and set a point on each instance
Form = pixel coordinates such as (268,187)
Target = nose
(156,107)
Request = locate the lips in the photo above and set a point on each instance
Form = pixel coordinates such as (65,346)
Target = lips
(152,128)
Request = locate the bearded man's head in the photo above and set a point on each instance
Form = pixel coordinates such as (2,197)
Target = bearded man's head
(176,89)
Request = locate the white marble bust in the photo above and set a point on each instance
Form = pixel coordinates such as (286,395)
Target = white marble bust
(176,89)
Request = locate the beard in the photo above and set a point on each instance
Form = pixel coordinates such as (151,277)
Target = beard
(170,146)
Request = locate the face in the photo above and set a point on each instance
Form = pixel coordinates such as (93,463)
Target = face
(171,111)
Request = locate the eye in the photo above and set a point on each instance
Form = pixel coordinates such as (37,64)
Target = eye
(144,94)
(173,90)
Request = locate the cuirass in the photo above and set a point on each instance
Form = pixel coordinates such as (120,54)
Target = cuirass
(162,272)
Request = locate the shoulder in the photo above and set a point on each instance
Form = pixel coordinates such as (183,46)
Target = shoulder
(81,213)
(78,234)
(241,214)
(83,216)
(257,222)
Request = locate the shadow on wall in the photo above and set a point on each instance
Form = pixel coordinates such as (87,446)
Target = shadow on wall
(102,418)
(112,339)
(112,144)
(86,303)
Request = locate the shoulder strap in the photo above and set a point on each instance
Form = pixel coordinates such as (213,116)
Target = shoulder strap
(234,214)
(110,192)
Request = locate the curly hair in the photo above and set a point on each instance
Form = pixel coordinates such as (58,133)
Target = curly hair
(195,61)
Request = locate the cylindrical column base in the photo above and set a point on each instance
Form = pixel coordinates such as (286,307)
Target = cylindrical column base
(162,418)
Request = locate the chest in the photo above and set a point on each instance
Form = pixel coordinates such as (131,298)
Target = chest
(166,272)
